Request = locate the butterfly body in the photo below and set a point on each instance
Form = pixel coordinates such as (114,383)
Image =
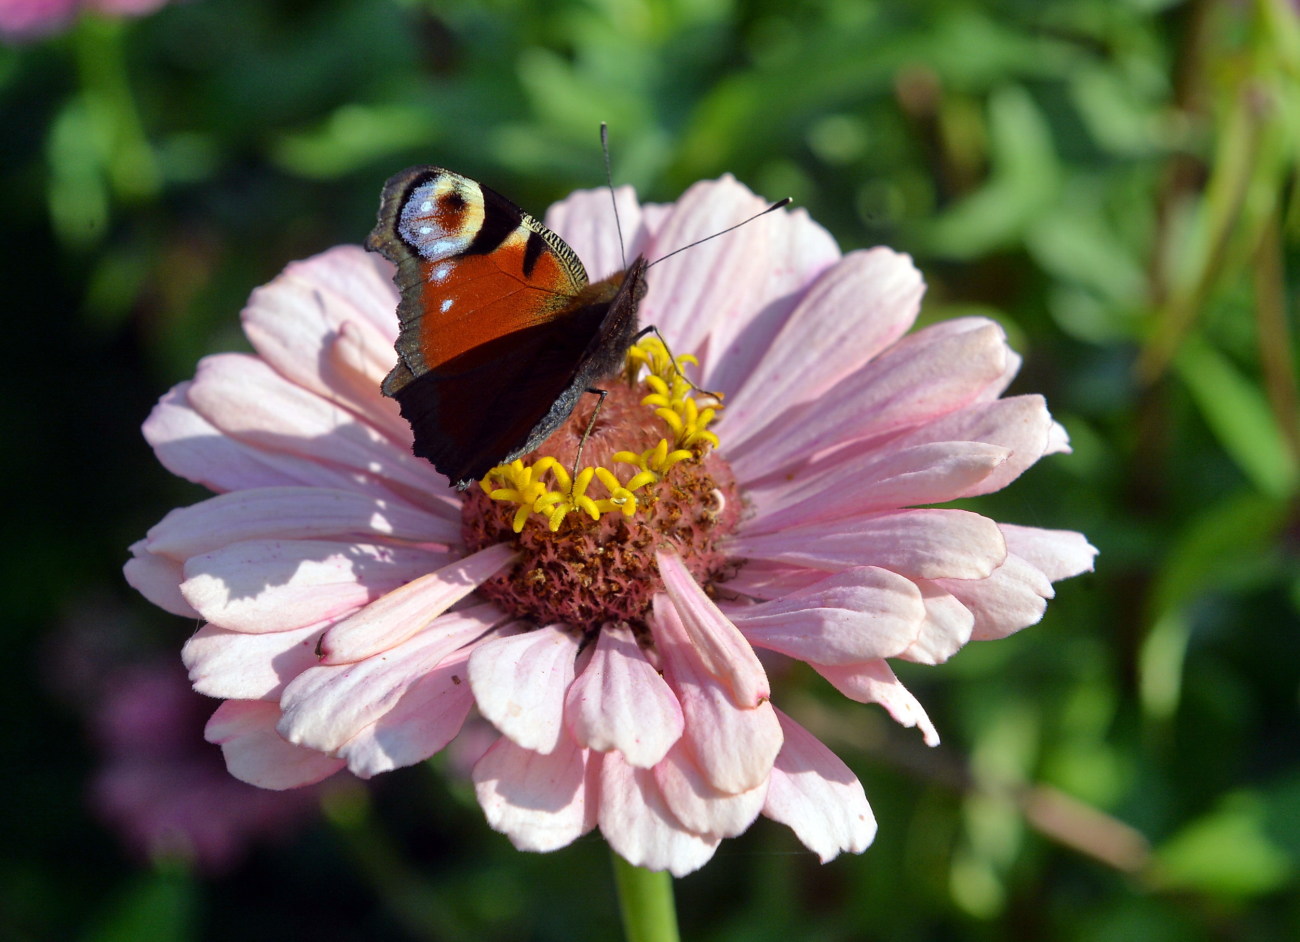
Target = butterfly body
(500,331)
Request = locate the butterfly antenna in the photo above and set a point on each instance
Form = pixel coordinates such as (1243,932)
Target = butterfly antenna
(609,182)
(771,209)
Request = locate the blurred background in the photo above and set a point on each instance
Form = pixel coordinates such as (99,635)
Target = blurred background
(1112,180)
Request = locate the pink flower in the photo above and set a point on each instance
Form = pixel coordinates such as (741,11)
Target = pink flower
(163,796)
(29,19)
(156,785)
(358,609)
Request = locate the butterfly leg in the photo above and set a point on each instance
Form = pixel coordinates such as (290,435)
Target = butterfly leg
(586,433)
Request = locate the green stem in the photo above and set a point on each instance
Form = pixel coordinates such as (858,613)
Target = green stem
(646,901)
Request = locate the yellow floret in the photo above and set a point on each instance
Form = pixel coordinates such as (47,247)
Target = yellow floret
(671,397)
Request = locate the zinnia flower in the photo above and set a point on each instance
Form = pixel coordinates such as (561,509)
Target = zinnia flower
(357,608)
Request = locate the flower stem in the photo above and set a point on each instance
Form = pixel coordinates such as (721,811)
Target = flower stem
(646,901)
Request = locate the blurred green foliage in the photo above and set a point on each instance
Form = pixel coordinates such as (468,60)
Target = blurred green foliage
(1113,180)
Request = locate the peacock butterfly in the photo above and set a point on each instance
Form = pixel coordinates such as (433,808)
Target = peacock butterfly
(500,330)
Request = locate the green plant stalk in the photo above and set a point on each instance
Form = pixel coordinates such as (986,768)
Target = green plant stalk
(1275,339)
(645,898)
(1252,159)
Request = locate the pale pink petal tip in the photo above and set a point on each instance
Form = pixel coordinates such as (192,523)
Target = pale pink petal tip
(619,701)
(720,648)
(1058,440)
(427,716)
(641,828)
(874,682)
(856,615)
(406,610)
(158,579)
(734,743)
(540,801)
(327,705)
(255,753)
(520,682)
(697,804)
(815,794)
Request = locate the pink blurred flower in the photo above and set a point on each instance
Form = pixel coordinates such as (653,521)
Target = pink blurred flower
(166,798)
(349,625)
(29,19)
(156,786)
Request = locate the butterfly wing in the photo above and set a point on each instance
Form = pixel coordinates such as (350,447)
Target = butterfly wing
(471,267)
(500,331)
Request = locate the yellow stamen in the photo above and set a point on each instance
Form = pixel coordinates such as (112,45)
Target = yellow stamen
(671,397)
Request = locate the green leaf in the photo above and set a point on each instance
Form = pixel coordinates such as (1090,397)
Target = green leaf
(1238,413)
(1225,853)
(1025,181)
(1225,545)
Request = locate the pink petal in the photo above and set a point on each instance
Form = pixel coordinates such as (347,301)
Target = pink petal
(356,361)
(922,377)
(1016,595)
(686,297)
(851,616)
(856,309)
(274,586)
(236,665)
(761,579)
(1012,598)
(897,477)
(354,274)
(1020,424)
(244,398)
(541,801)
(427,717)
(1059,554)
(874,682)
(619,701)
(293,513)
(158,579)
(408,609)
(946,627)
(325,706)
(924,544)
(345,284)
(640,828)
(255,753)
(714,643)
(295,321)
(698,805)
(189,446)
(35,18)
(520,683)
(1058,440)
(586,221)
(817,796)
(734,745)
(798,251)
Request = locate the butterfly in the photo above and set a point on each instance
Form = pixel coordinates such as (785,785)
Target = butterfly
(501,331)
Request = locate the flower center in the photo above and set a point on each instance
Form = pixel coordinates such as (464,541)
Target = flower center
(588,559)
